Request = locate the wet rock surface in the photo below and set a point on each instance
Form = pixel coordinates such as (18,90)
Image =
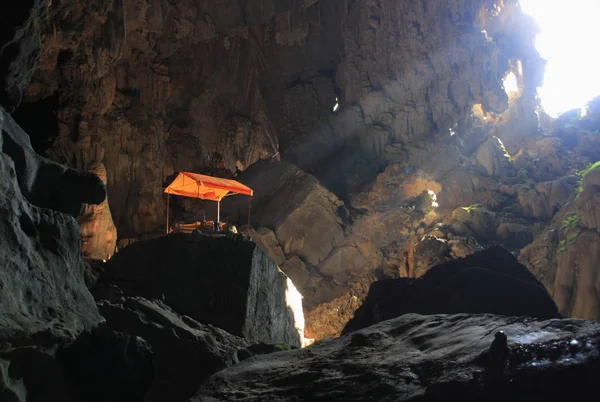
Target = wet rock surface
(489,281)
(438,357)
(222,280)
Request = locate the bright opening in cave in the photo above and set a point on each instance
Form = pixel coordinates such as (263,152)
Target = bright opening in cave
(337,104)
(567,31)
(510,83)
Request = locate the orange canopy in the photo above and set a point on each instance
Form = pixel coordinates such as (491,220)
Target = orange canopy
(205,187)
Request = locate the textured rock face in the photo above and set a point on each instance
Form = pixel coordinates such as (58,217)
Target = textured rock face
(44,183)
(565,255)
(150,88)
(238,288)
(42,291)
(441,358)
(489,281)
(185,351)
(286,201)
(98,232)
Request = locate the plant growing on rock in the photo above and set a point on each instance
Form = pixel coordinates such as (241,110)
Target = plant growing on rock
(581,174)
(478,208)
(570,231)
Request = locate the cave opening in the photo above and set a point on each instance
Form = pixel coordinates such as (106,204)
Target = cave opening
(571,79)
(39,120)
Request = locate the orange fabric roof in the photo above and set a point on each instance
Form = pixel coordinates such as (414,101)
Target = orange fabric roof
(205,187)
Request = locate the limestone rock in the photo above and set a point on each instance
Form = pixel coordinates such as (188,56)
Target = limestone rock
(458,190)
(439,357)
(489,281)
(185,351)
(98,232)
(41,269)
(342,261)
(515,235)
(302,214)
(296,269)
(533,203)
(105,365)
(430,251)
(474,220)
(588,202)
(565,261)
(493,157)
(44,183)
(222,280)
(266,239)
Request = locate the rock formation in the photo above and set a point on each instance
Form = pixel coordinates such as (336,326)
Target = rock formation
(441,358)
(565,255)
(98,232)
(43,292)
(184,351)
(401,148)
(223,280)
(489,281)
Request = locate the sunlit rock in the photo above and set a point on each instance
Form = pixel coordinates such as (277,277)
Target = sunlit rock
(98,232)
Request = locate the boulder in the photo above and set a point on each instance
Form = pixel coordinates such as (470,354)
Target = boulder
(266,239)
(98,232)
(494,158)
(489,281)
(297,271)
(302,214)
(433,358)
(42,292)
(105,365)
(101,365)
(429,252)
(185,351)
(223,280)
(342,261)
(33,374)
(475,220)
(515,235)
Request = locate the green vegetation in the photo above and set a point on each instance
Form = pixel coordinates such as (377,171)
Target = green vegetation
(582,174)
(479,208)
(523,177)
(570,231)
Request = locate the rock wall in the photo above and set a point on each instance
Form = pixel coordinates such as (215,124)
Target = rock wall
(152,88)
(224,281)
(565,255)
(43,292)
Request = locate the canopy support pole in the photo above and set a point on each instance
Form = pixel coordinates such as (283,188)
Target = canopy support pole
(218,211)
(168,197)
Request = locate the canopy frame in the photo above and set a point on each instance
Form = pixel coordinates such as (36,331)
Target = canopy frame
(204,187)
